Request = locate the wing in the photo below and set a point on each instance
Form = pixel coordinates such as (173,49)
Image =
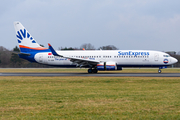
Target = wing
(79,61)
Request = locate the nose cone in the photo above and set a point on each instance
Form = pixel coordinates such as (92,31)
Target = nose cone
(174,60)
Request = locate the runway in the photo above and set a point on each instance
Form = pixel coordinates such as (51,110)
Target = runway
(94,75)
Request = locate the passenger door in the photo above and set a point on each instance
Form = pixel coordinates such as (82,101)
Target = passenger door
(156,57)
(41,58)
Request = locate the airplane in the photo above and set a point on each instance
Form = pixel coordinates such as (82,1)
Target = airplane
(94,60)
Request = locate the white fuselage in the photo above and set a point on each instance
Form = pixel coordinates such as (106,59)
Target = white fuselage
(124,58)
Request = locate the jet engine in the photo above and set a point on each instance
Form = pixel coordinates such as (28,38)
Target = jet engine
(108,66)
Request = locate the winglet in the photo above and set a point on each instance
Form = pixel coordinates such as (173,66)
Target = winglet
(52,50)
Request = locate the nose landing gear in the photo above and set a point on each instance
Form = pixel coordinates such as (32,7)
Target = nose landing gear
(163,67)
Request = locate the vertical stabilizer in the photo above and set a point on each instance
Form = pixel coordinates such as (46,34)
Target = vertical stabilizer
(26,42)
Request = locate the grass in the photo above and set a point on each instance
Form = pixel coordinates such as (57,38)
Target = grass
(89,98)
(78,70)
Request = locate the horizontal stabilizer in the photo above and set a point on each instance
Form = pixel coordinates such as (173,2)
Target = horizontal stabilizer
(20,53)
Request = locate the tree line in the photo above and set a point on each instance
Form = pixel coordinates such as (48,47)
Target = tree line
(89,46)
(10,59)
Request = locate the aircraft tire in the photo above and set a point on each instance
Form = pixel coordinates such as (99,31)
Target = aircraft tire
(159,71)
(90,70)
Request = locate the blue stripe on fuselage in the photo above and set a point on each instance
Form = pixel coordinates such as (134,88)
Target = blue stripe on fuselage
(141,65)
(32,53)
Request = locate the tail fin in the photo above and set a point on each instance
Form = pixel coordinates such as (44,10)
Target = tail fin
(26,42)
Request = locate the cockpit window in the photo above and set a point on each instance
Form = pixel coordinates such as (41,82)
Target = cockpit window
(166,55)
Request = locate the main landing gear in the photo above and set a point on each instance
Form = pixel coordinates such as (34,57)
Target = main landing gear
(92,70)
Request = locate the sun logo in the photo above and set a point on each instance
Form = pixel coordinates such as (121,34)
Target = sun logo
(165,61)
(24,34)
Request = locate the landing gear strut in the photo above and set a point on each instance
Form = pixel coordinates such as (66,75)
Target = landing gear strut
(95,71)
(92,70)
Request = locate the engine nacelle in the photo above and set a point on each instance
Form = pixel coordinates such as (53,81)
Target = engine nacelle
(108,66)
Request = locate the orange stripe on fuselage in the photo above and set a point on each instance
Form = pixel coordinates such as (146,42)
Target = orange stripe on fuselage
(38,48)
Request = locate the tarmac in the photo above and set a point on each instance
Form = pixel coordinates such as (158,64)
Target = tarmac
(94,75)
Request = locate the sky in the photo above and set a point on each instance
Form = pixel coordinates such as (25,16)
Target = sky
(126,24)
